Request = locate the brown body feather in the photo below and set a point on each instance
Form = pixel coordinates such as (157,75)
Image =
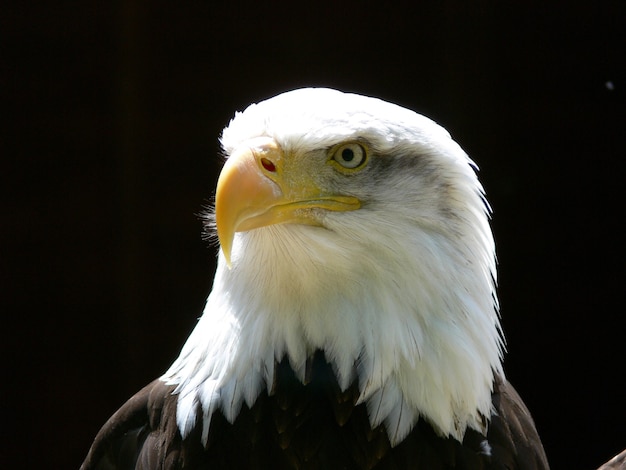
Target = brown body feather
(307,426)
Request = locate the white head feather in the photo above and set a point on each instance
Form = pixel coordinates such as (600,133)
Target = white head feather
(399,294)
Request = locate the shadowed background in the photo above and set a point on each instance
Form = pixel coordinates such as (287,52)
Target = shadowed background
(111,116)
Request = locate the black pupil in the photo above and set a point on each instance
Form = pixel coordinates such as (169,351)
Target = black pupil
(347,155)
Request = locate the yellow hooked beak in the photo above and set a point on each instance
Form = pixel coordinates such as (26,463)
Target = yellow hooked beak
(259,186)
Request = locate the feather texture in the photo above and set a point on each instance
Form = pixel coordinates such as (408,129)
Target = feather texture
(312,426)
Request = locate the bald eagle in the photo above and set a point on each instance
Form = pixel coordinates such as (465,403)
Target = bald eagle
(353,321)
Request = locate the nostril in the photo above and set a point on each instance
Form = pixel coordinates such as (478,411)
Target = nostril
(268,165)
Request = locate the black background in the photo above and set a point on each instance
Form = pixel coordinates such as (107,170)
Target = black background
(111,114)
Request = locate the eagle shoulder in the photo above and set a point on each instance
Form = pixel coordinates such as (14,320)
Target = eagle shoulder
(512,434)
(142,434)
(313,424)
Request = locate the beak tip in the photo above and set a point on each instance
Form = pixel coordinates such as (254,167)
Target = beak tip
(226,252)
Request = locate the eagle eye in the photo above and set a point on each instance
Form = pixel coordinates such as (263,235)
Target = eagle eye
(350,156)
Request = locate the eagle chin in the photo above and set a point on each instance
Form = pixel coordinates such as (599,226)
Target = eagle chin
(353,321)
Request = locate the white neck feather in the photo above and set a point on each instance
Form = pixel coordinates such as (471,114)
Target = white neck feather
(421,333)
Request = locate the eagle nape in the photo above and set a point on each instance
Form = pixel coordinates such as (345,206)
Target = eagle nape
(353,321)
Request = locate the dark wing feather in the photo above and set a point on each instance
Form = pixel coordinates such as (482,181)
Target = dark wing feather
(121,436)
(308,426)
(512,435)
(142,434)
